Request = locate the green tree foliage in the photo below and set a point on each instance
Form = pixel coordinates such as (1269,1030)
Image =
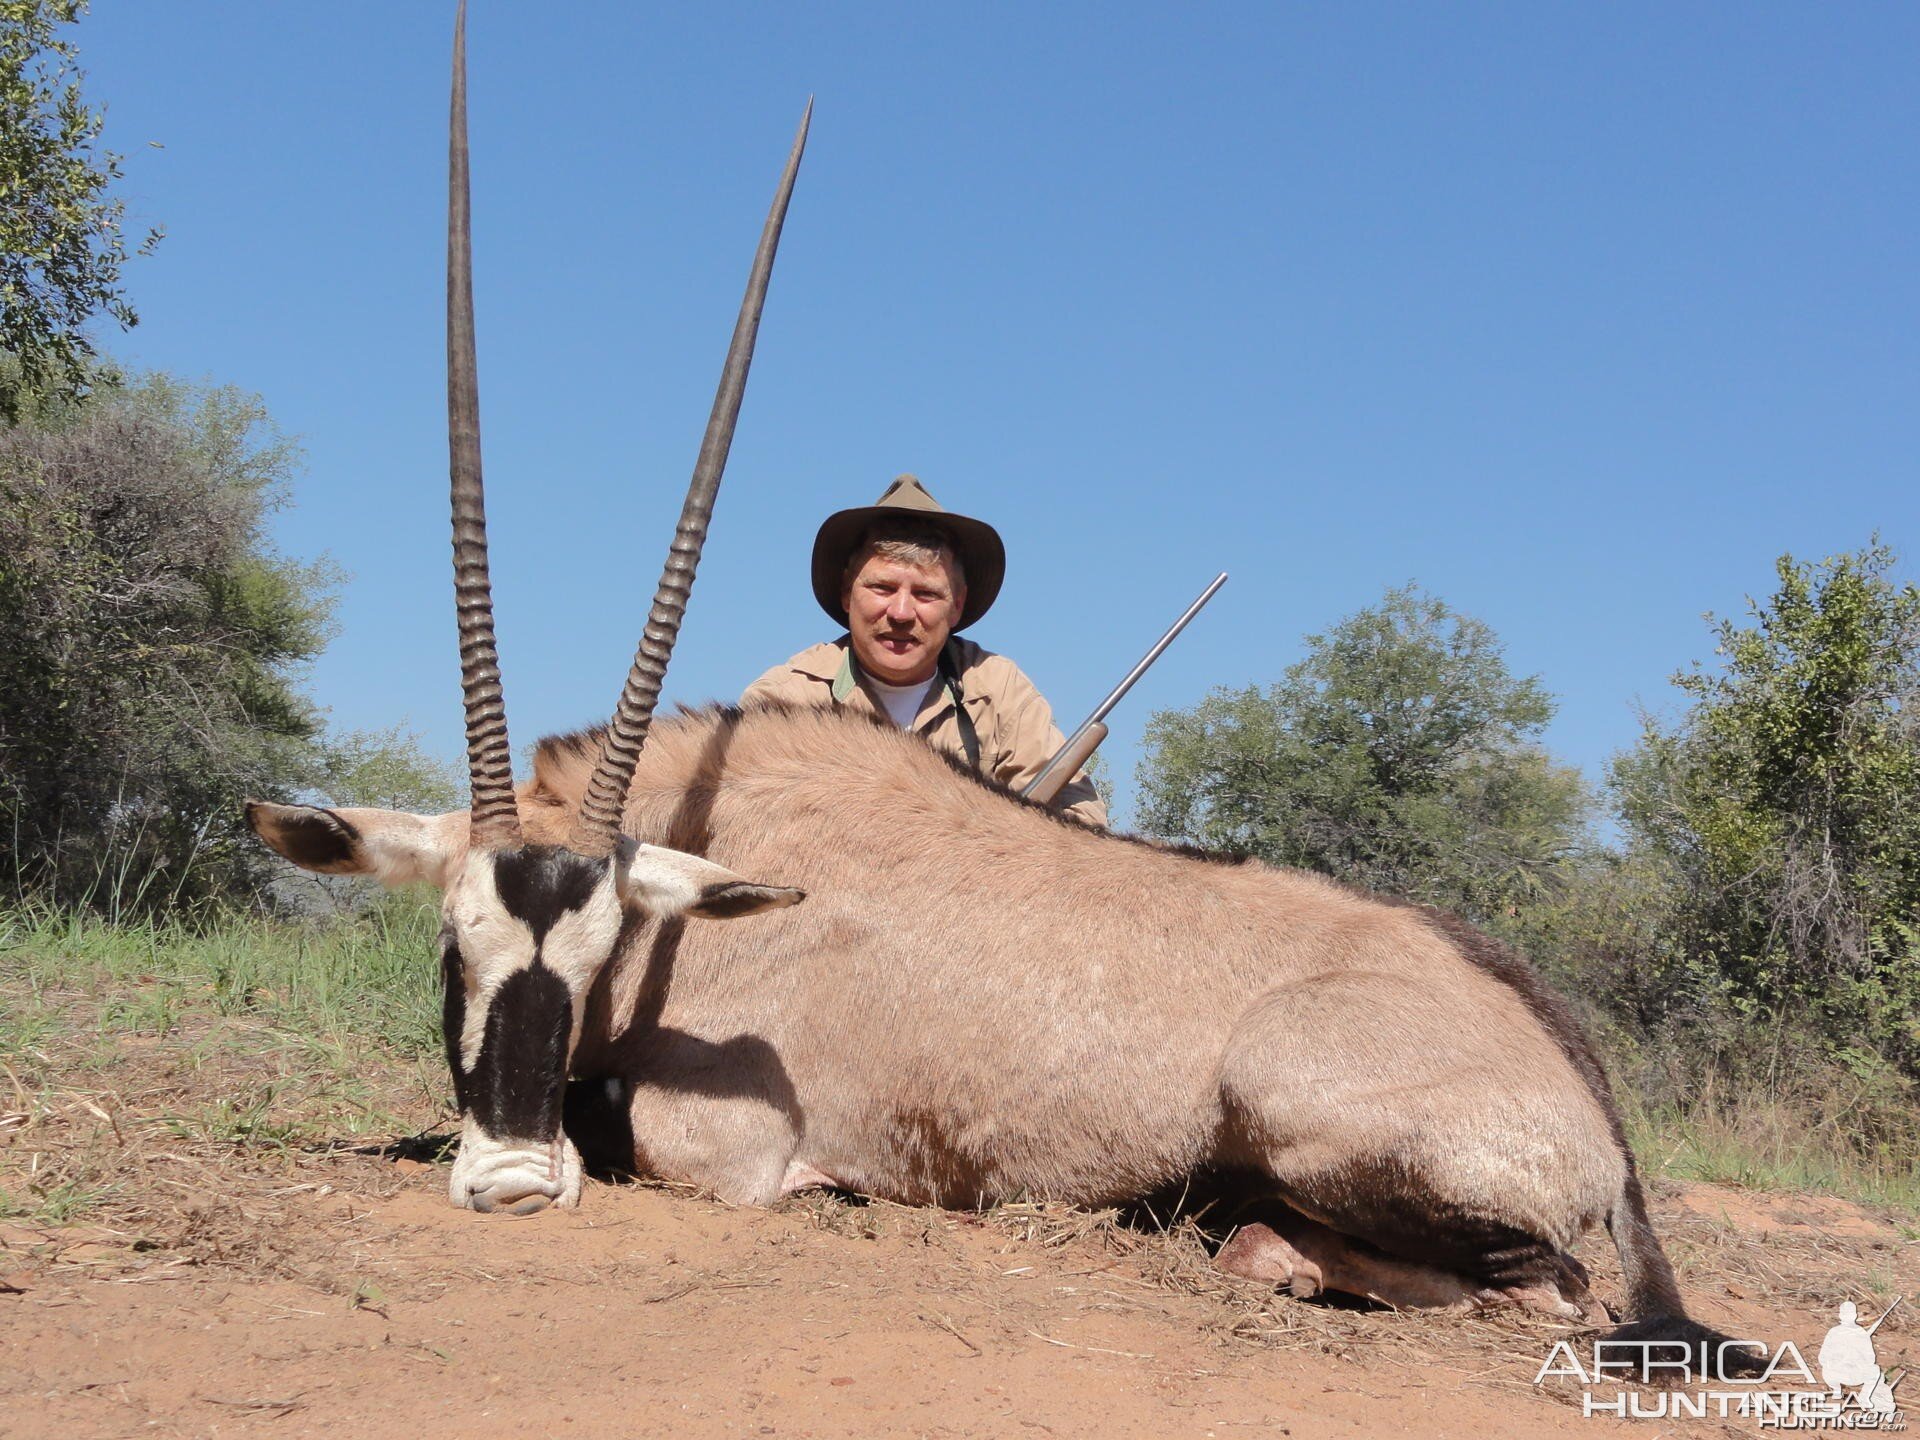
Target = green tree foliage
(1785,805)
(154,642)
(1400,754)
(61,247)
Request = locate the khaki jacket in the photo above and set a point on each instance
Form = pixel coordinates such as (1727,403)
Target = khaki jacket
(1013,721)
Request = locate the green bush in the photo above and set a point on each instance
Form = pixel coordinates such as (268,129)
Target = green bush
(154,646)
(1784,805)
(1400,754)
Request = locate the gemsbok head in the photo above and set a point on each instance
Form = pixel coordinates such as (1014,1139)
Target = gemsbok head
(526,927)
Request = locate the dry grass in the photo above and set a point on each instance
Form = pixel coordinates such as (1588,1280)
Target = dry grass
(183,1142)
(1786,1260)
(1137,1260)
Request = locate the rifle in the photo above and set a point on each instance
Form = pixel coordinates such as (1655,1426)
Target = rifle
(1886,1312)
(1084,741)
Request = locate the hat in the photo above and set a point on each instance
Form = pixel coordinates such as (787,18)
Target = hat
(975,543)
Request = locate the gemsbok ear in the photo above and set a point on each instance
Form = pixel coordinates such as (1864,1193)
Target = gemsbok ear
(392,846)
(668,883)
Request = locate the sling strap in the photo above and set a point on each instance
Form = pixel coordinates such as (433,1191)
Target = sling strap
(949,670)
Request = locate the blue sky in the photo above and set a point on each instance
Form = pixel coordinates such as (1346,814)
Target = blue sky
(1577,315)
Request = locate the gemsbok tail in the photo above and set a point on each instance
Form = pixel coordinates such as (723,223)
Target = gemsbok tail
(1659,1337)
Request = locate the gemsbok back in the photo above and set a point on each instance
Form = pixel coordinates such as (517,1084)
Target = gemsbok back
(979,999)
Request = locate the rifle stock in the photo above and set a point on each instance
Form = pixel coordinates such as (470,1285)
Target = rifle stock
(1064,766)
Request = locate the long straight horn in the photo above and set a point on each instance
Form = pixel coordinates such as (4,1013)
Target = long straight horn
(496,819)
(599,822)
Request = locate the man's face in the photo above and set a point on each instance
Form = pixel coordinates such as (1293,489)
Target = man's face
(900,614)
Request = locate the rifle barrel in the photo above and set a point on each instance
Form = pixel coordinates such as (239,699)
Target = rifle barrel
(1173,633)
(1105,708)
(1886,1312)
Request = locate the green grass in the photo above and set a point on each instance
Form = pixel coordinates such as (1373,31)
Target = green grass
(58,1204)
(373,977)
(1760,1142)
(230,1035)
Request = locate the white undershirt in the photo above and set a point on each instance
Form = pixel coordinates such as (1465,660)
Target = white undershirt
(902,701)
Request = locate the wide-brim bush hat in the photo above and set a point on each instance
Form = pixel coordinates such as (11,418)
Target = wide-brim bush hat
(982,556)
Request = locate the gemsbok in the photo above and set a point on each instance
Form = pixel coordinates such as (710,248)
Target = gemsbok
(979,999)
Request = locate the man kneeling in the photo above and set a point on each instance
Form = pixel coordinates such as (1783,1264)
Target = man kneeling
(904,575)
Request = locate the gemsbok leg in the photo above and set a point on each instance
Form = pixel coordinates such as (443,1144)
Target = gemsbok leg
(1406,1181)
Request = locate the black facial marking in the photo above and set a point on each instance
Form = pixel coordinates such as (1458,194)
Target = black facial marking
(540,883)
(453,1014)
(514,1088)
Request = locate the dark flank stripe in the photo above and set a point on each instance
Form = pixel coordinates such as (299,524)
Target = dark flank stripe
(600,1126)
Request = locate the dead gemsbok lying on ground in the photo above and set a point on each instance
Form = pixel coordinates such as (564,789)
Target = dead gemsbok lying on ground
(979,1000)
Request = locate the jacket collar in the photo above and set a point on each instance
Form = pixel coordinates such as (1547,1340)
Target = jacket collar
(845,677)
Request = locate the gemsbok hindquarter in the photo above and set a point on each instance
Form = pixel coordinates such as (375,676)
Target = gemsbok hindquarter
(979,999)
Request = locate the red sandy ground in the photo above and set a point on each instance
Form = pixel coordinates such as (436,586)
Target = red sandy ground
(344,1296)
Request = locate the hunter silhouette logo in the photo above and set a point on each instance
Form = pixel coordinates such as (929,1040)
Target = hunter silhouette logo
(1848,1363)
(1852,1390)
